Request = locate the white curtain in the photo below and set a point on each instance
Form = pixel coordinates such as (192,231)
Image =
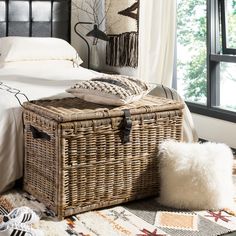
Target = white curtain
(157,27)
(157,32)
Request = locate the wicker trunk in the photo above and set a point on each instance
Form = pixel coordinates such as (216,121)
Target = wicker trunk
(77,158)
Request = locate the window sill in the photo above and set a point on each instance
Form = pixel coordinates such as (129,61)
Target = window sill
(223,58)
(212,112)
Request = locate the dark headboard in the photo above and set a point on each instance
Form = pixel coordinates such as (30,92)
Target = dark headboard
(35,18)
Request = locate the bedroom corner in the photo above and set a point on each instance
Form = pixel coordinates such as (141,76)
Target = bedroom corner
(117,117)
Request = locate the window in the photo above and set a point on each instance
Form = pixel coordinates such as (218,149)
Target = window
(206,56)
(228,14)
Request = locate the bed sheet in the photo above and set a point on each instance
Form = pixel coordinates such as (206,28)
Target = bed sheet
(36,84)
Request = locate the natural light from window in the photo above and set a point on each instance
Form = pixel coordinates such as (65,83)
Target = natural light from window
(228,70)
(192,54)
(191,50)
(230,18)
(228,86)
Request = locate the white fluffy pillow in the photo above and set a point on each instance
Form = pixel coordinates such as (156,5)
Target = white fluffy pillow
(196,176)
(14,49)
(116,90)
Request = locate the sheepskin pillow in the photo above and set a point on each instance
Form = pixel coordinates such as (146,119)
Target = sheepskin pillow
(196,176)
(116,90)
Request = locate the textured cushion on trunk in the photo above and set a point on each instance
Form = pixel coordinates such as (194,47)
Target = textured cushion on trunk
(111,90)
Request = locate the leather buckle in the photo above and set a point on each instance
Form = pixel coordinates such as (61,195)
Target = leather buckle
(127,126)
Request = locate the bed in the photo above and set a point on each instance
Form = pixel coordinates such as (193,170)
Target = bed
(29,71)
(30,19)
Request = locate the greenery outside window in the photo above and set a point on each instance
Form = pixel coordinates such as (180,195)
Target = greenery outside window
(206,56)
(228,15)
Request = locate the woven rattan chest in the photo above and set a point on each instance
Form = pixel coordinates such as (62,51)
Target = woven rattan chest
(80,156)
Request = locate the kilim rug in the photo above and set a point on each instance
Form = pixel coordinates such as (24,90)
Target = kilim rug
(140,218)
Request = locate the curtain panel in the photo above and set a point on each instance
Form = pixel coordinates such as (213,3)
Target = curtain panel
(157,28)
(157,34)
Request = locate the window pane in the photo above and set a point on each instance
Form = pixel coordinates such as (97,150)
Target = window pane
(228,86)
(191,50)
(230,18)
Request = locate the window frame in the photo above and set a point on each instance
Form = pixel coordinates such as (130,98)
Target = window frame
(213,67)
(225,49)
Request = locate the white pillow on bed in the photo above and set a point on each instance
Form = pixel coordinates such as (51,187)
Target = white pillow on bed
(45,64)
(16,48)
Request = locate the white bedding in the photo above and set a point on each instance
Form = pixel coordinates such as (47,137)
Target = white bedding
(36,84)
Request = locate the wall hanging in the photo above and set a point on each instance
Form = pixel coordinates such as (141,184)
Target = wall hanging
(122,30)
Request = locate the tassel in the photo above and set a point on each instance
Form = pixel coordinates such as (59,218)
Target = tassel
(122,50)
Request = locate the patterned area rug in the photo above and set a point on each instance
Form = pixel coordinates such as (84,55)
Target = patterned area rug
(140,218)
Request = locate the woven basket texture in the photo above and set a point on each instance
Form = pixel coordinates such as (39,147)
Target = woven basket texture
(83,163)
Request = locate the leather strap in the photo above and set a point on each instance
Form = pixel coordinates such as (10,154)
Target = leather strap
(127,126)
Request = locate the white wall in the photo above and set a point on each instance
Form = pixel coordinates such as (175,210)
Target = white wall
(76,41)
(215,130)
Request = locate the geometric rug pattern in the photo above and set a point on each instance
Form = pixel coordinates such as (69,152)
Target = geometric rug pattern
(140,218)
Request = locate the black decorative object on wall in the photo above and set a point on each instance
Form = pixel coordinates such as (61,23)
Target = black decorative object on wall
(95,33)
(130,11)
(122,30)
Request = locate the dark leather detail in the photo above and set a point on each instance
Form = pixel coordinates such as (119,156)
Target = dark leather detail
(36,18)
(127,126)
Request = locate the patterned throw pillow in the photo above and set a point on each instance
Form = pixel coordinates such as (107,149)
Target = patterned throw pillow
(114,90)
